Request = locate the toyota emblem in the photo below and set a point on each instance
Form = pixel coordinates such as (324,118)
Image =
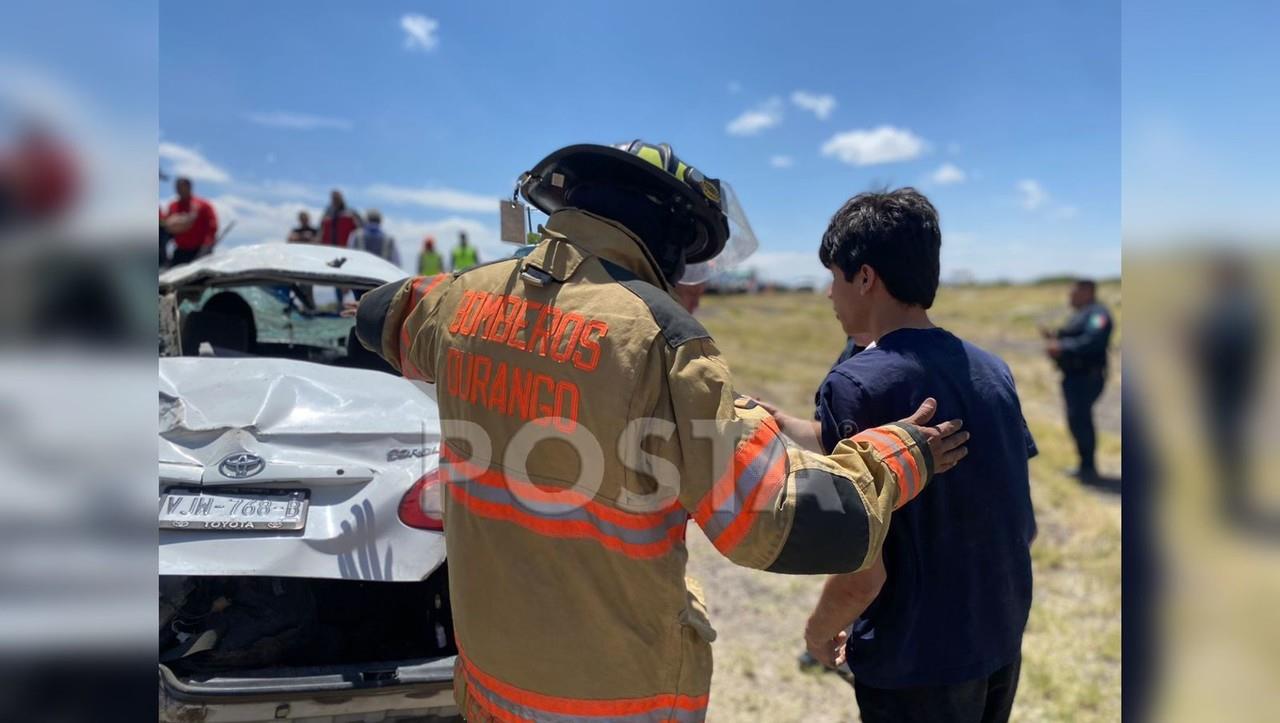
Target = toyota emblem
(241,465)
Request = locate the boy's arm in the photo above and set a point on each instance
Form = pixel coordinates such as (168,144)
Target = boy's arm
(806,433)
(844,598)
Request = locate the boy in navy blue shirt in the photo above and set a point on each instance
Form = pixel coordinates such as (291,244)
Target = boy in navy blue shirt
(938,622)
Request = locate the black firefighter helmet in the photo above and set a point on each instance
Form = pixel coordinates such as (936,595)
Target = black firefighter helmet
(651,169)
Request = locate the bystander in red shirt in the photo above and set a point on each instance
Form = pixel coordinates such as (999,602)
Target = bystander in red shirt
(338,221)
(203,231)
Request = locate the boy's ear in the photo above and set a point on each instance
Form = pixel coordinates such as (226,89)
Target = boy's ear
(866,279)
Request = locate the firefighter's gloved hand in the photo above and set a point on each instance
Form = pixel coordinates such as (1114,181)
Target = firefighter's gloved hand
(946,441)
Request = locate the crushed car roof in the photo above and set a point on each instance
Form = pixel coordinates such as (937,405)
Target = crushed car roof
(289,399)
(280,262)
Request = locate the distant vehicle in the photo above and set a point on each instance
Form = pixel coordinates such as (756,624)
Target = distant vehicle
(740,281)
(302,558)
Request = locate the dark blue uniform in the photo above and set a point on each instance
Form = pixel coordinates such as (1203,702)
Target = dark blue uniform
(1083,361)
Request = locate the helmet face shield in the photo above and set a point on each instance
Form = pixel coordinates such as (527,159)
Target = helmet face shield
(741,244)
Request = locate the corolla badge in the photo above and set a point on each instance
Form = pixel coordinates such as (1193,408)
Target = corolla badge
(241,465)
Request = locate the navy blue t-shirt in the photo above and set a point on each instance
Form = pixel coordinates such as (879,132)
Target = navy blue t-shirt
(958,557)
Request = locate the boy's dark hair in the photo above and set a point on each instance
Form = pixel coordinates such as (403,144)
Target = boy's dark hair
(1089,284)
(894,232)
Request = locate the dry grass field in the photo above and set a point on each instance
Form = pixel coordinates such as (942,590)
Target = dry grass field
(780,347)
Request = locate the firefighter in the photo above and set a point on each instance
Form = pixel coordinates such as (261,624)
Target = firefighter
(586,417)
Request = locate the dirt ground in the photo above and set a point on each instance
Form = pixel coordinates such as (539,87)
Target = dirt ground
(779,347)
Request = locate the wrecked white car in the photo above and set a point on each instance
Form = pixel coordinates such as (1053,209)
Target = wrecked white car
(302,559)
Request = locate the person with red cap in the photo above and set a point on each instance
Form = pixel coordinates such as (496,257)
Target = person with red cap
(430,262)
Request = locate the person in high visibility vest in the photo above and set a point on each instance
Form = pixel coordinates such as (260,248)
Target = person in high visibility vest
(430,262)
(464,255)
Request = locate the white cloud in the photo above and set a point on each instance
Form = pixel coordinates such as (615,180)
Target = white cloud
(820,105)
(999,258)
(297,121)
(280,189)
(259,221)
(885,144)
(947,174)
(790,267)
(1034,197)
(751,122)
(189,162)
(781,161)
(443,198)
(409,234)
(43,97)
(1032,194)
(446,199)
(1064,213)
(419,32)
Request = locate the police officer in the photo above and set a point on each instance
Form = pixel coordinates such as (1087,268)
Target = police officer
(1080,350)
(586,417)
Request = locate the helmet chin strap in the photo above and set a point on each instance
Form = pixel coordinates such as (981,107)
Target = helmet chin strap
(664,231)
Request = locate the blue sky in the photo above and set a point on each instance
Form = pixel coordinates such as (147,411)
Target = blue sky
(1006,114)
(1199,124)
